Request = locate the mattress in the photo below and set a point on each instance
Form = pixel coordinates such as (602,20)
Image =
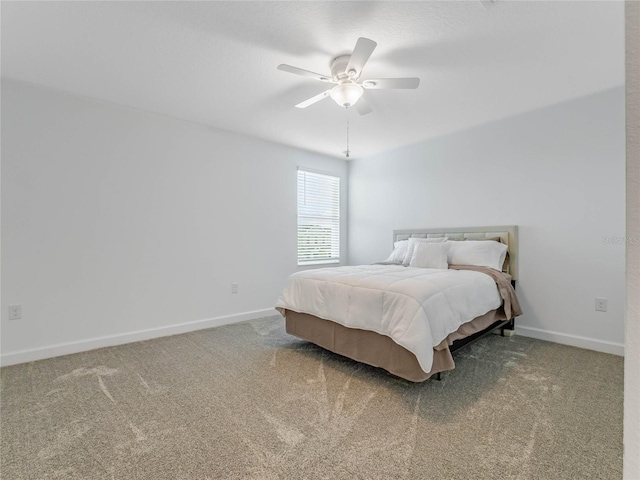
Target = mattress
(417,308)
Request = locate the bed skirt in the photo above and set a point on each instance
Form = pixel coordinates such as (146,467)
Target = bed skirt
(379,350)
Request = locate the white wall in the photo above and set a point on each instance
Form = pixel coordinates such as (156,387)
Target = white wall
(117,221)
(557,172)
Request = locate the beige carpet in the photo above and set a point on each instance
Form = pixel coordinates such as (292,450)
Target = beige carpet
(249,401)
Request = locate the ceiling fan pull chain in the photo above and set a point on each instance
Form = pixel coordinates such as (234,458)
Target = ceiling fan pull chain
(347,152)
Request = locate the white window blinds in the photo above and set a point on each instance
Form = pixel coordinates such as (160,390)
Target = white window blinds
(318,218)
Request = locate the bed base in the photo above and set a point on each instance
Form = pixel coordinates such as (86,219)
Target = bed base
(502,325)
(506,327)
(380,351)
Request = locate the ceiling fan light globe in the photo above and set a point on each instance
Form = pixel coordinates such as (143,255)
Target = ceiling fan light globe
(346,95)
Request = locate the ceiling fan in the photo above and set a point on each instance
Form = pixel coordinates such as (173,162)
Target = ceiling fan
(345,74)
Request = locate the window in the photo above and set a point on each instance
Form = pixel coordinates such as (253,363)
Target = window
(318,218)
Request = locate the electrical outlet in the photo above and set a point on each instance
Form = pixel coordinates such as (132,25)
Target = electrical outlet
(15,312)
(601,304)
(234,288)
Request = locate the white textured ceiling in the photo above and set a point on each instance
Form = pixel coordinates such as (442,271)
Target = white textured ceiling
(215,62)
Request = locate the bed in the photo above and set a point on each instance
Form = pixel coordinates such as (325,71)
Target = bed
(404,319)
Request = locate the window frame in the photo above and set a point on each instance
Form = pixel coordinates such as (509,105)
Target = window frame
(334,220)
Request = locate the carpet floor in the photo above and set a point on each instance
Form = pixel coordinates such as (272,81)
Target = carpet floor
(249,401)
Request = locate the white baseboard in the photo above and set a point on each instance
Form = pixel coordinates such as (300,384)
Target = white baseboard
(572,340)
(120,339)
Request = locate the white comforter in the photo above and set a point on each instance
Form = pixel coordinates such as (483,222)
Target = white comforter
(416,307)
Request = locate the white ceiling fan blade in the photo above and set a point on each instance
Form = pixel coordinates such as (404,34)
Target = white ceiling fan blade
(313,100)
(363,107)
(304,73)
(379,83)
(361,53)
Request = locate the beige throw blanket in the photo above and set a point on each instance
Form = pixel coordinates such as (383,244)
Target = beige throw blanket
(503,281)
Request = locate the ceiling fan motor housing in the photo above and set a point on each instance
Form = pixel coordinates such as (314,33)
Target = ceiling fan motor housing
(339,69)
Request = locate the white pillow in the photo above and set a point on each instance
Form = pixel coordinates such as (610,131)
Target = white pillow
(430,255)
(412,245)
(481,253)
(399,251)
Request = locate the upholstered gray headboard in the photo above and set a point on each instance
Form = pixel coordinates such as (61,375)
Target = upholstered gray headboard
(508,235)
